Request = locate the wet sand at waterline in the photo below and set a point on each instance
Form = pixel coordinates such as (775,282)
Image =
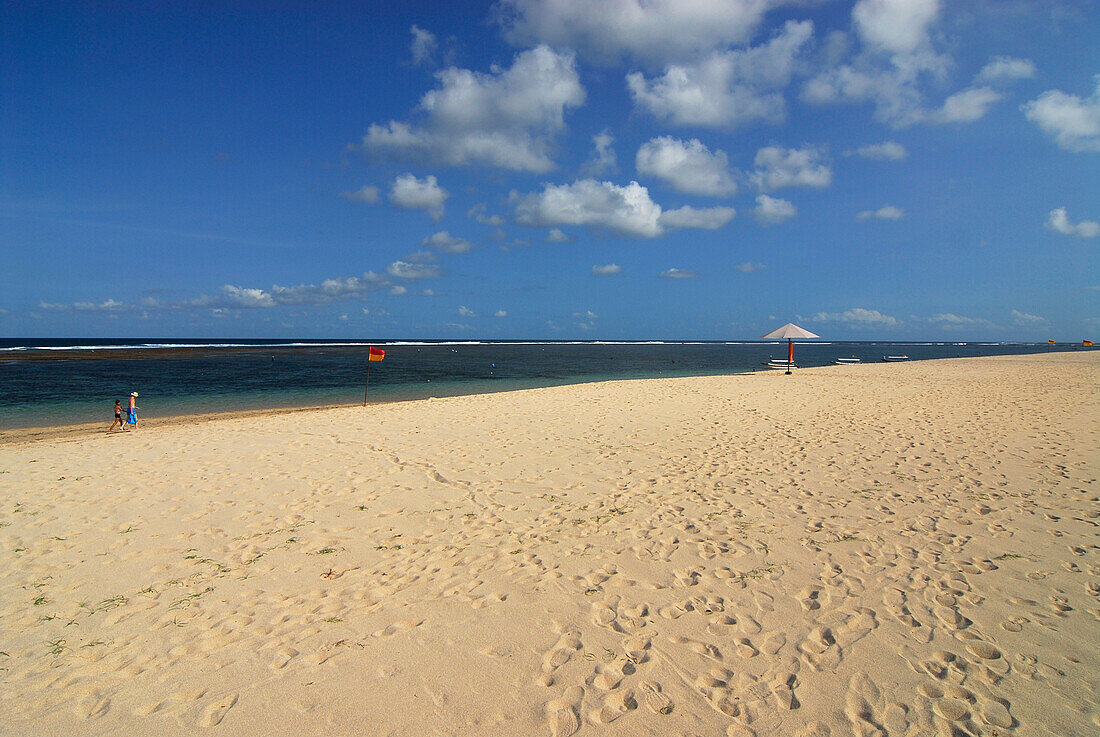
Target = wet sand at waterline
(900,549)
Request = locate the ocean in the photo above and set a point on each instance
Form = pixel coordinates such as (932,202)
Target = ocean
(56,382)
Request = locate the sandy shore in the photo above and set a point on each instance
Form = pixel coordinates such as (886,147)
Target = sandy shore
(899,549)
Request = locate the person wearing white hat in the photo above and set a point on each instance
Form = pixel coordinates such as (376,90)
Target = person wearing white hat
(131,417)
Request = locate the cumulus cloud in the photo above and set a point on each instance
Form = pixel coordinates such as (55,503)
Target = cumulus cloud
(1073,122)
(857,316)
(419,194)
(688,166)
(895,26)
(603,159)
(465,311)
(398,291)
(651,31)
(778,167)
(444,242)
(898,61)
(369,194)
(705,218)
(967,106)
(406,270)
(772,210)
(557,236)
(626,210)
(886,151)
(726,88)
(506,118)
(887,212)
(1006,69)
(330,290)
(477,212)
(500,313)
(749,267)
(1059,221)
(675,273)
(606,269)
(423,45)
(1023,318)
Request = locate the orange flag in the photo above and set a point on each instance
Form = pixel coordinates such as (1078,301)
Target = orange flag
(376,354)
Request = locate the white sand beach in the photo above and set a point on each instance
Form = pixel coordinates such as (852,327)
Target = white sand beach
(889,549)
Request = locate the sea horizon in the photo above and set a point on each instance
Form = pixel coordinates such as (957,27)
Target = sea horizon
(57,382)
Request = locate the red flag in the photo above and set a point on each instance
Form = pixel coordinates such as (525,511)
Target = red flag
(1051,342)
(376,354)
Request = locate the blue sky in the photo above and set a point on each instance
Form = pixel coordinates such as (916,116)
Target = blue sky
(883,169)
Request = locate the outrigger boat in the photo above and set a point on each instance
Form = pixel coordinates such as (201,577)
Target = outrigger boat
(847,361)
(895,358)
(777,363)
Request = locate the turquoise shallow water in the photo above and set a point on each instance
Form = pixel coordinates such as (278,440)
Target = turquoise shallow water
(58,382)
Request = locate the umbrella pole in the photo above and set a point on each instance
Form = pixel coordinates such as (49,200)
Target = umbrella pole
(790,355)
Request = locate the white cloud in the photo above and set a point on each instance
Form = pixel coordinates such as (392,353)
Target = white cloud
(406,270)
(398,291)
(688,166)
(500,313)
(654,31)
(966,106)
(727,87)
(419,194)
(465,311)
(772,210)
(953,320)
(423,45)
(247,297)
(557,236)
(477,212)
(603,159)
(749,267)
(704,218)
(886,151)
(506,118)
(897,62)
(788,167)
(887,212)
(606,269)
(1072,121)
(369,194)
(856,316)
(895,26)
(444,242)
(1006,69)
(1023,318)
(679,274)
(1058,220)
(626,210)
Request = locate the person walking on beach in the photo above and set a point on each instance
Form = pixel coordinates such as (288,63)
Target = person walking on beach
(118,417)
(132,412)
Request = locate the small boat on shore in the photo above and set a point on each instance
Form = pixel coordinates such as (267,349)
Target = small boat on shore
(847,361)
(895,358)
(776,363)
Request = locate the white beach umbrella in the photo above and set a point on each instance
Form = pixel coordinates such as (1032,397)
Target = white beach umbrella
(790,331)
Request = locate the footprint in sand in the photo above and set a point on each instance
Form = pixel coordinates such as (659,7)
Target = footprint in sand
(655,699)
(93,706)
(613,707)
(215,713)
(562,713)
(282,657)
(399,626)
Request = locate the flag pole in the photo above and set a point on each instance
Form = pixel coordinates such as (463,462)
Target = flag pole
(366,384)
